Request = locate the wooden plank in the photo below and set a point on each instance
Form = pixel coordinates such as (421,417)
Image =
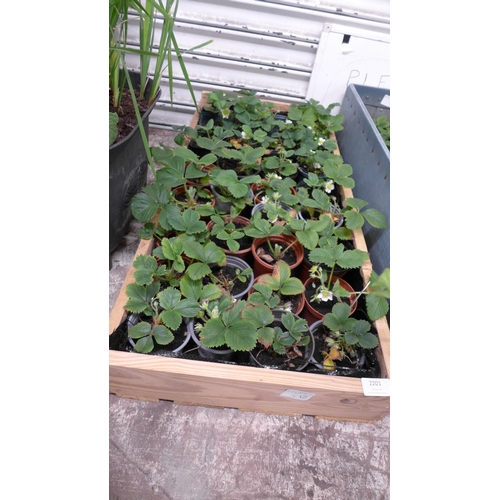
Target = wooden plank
(118,312)
(189,382)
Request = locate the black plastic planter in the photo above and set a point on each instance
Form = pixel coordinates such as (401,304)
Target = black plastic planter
(128,166)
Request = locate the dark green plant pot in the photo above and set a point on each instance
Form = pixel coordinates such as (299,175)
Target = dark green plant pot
(128,166)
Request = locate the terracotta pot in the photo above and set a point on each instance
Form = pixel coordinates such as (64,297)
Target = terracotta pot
(262,267)
(300,306)
(312,315)
(242,253)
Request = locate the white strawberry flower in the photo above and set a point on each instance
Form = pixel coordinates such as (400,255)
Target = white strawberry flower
(215,312)
(321,141)
(316,165)
(325,295)
(243,135)
(329,186)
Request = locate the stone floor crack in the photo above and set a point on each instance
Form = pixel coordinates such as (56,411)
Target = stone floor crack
(142,471)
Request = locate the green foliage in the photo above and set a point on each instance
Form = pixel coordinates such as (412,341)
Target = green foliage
(223,324)
(284,339)
(113,129)
(293,334)
(171,250)
(384,128)
(275,189)
(151,13)
(140,297)
(273,290)
(147,270)
(355,218)
(214,138)
(225,230)
(145,332)
(260,317)
(260,227)
(174,172)
(166,308)
(187,222)
(174,307)
(320,201)
(346,334)
(195,290)
(338,172)
(308,231)
(377,304)
(152,52)
(219,100)
(247,157)
(280,164)
(204,256)
(333,253)
(232,187)
(153,198)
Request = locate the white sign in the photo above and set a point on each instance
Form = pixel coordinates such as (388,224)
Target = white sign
(376,386)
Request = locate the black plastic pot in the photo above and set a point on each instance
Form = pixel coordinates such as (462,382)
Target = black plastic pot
(206,116)
(167,350)
(365,364)
(128,166)
(280,362)
(209,353)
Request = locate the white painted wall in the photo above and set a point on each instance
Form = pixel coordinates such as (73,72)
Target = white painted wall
(292,50)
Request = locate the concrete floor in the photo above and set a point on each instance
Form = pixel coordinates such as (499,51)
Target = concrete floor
(166,451)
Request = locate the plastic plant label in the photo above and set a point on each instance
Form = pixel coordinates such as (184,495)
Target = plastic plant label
(300,395)
(376,386)
(386,101)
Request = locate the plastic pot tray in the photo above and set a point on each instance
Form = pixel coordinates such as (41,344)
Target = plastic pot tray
(362,147)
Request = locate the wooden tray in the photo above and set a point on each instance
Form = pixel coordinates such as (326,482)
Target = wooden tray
(191,382)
